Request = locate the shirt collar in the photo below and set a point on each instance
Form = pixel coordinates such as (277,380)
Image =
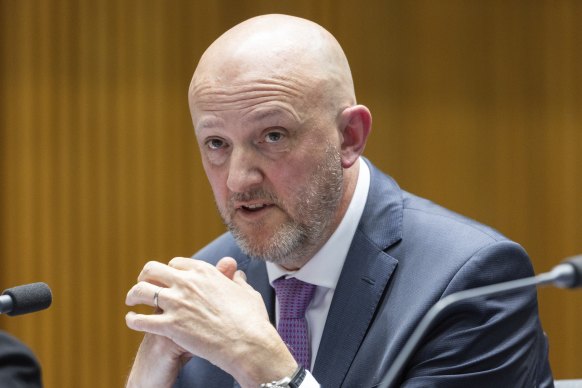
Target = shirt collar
(325,267)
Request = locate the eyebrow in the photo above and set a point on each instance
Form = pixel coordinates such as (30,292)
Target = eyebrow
(209,122)
(270,112)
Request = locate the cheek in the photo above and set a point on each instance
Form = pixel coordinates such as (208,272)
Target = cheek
(290,178)
(217,181)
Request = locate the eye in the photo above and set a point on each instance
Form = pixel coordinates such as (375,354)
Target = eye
(273,137)
(215,144)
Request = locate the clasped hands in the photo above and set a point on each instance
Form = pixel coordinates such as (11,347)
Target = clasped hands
(206,311)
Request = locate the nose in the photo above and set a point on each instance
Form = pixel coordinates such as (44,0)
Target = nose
(244,172)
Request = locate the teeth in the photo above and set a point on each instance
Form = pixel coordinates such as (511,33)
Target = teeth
(256,206)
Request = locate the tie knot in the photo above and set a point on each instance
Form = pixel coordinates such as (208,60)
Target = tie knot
(294,296)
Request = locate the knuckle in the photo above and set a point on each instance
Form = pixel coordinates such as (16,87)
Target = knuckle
(137,322)
(149,266)
(140,289)
(129,296)
(205,267)
(133,321)
(148,269)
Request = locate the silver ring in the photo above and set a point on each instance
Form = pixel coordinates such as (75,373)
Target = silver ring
(157,296)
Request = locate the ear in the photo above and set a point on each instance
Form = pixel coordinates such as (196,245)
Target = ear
(355,126)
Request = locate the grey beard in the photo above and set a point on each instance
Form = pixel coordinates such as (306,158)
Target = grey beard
(316,210)
(288,245)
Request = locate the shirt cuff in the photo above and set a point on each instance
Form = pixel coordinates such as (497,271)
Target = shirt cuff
(309,381)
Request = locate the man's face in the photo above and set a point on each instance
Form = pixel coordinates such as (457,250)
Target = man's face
(271,153)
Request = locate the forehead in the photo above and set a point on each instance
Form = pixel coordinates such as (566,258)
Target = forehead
(213,94)
(252,97)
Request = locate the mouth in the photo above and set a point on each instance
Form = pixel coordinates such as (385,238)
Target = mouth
(253,207)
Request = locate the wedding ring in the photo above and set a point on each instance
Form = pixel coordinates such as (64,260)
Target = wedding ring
(157,296)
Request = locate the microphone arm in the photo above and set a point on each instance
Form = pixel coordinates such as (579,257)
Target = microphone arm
(565,275)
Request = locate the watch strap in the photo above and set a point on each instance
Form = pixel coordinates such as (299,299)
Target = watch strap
(293,381)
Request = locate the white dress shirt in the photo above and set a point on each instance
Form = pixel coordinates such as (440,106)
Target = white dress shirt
(324,268)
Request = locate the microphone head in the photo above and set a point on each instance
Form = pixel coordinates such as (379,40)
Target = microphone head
(29,298)
(576,263)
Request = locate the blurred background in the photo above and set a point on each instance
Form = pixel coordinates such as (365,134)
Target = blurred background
(477,105)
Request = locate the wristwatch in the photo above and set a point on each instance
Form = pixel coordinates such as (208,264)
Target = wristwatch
(293,381)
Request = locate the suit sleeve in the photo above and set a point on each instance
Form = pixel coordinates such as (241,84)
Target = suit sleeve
(18,366)
(485,342)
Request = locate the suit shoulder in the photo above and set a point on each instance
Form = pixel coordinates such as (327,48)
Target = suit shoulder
(423,213)
(445,239)
(19,366)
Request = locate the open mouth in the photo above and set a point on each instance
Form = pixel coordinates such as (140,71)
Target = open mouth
(254,208)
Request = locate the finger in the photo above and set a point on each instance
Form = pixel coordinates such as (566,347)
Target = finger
(227,265)
(183,263)
(142,293)
(155,323)
(157,273)
(240,278)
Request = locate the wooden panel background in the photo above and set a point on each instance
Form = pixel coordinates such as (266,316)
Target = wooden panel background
(476,104)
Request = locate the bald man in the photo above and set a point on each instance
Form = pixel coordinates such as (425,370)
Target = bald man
(281,137)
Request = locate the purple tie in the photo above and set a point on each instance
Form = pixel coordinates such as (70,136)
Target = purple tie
(294,296)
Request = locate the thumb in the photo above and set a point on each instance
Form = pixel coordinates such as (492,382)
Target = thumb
(227,265)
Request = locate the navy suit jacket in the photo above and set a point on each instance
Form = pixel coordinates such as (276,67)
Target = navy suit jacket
(406,255)
(19,367)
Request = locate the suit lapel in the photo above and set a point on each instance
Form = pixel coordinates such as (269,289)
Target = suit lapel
(257,277)
(366,272)
(360,288)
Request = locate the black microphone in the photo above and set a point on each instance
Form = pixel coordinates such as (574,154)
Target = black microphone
(568,274)
(25,299)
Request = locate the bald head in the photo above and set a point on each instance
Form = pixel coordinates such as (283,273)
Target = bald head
(280,47)
(280,134)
